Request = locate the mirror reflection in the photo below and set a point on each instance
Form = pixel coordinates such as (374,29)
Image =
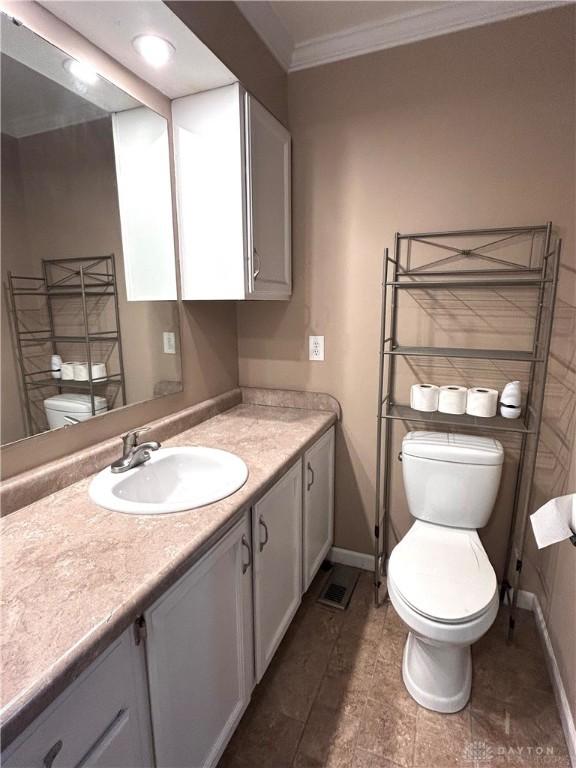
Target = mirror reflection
(89,317)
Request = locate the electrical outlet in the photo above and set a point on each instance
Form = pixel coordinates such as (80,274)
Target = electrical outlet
(169,339)
(316,347)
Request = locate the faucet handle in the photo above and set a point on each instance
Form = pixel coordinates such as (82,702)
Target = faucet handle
(130,439)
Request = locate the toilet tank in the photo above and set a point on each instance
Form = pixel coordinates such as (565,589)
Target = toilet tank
(451,479)
(60,409)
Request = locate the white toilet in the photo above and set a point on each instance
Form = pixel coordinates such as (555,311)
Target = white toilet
(440,580)
(68,409)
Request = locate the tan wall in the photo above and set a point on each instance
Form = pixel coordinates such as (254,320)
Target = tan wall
(207,330)
(472,129)
(551,572)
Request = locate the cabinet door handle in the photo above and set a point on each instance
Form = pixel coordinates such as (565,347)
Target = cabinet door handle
(256,271)
(51,755)
(311,471)
(263,524)
(247,565)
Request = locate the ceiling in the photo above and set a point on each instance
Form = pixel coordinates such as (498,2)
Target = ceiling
(113,25)
(307,33)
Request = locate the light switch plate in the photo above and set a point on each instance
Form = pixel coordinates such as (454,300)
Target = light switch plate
(169,339)
(316,347)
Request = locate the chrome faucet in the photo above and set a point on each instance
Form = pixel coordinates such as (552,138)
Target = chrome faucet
(134,454)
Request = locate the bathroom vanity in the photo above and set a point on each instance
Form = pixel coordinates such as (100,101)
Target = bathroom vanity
(185,614)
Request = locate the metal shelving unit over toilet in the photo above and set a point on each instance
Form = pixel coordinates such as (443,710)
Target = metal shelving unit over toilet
(466,260)
(83,278)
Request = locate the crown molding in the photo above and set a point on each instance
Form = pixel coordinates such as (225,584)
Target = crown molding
(367,38)
(270,28)
(409,28)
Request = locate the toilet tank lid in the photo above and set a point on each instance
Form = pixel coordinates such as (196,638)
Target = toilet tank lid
(75,403)
(460,449)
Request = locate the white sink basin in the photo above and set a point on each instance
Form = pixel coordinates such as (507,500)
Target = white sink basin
(174,479)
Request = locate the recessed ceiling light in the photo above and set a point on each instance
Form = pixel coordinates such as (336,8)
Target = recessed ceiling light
(81,71)
(155,50)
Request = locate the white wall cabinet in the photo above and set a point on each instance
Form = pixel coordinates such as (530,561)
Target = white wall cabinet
(318,505)
(200,655)
(277,536)
(233,193)
(102,720)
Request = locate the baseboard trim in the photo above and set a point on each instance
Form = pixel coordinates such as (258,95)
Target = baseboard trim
(568,725)
(526,600)
(349,557)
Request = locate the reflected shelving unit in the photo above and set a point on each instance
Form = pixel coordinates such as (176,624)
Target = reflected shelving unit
(32,303)
(503,264)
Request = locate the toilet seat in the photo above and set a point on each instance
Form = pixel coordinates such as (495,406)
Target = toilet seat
(443,573)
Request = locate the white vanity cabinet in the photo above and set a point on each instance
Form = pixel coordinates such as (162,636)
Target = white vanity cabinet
(187,675)
(233,193)
(200,655)
(318,505)
(277,536)
(102,719)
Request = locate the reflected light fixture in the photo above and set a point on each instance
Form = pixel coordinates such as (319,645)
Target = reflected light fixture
(81,71)
(155,50)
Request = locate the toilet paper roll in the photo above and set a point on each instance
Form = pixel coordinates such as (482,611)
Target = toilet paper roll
(452,399)
(424,397)
(67,370)
(81,371)
(481,401)
(99,371)
(555,521)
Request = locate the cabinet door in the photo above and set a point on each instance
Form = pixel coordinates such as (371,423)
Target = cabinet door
(318,518)
(200,655)
(268,194)
(101,720)
(277,536)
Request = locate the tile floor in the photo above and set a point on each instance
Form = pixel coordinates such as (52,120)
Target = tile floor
(333,697)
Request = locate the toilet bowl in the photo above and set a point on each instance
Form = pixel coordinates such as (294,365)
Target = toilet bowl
(65,409)
(444,589)
(440,579)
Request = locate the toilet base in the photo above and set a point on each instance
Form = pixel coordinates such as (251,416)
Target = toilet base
(437,675)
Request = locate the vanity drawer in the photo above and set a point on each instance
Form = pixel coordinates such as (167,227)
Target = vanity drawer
(100,720)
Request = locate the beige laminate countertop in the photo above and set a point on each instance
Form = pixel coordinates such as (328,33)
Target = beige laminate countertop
(74,575)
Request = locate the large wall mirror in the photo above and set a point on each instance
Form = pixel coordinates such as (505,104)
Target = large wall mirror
(89,317)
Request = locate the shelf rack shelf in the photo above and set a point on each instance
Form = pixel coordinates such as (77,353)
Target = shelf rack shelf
(519,356)
(456,260)
(496,423)
(62,279)
(426,285)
